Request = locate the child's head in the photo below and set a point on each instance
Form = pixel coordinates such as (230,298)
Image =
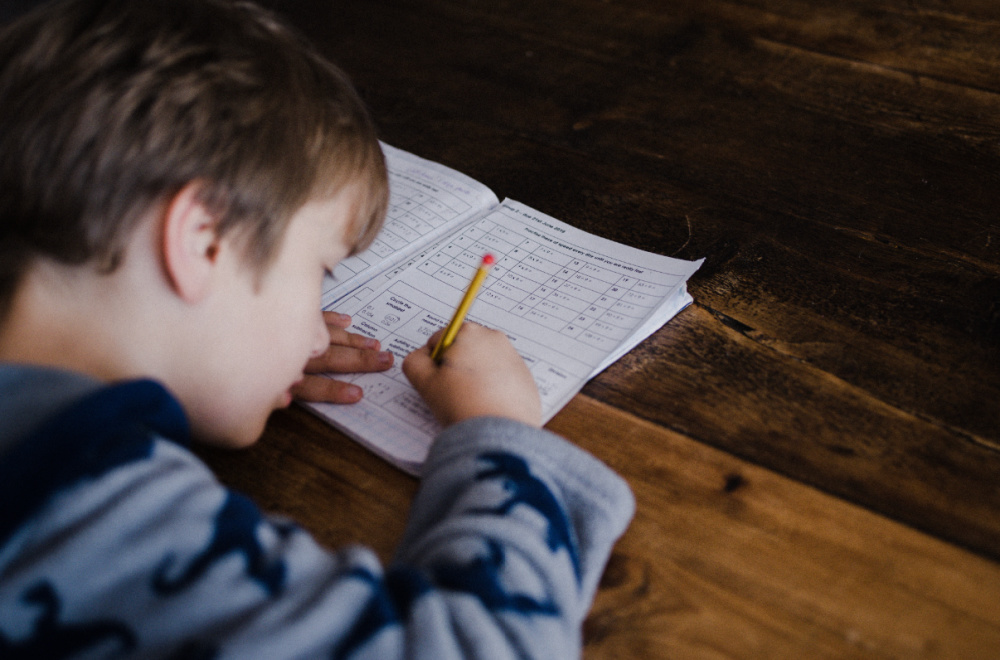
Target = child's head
(109,107)
(114,114)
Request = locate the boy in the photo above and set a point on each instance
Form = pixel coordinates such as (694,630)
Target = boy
(177,176)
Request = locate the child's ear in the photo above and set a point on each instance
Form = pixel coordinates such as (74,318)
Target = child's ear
(190,244)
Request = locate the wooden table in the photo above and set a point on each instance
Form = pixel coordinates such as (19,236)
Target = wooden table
(815,443)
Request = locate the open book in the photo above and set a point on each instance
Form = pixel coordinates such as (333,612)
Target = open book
(571,302)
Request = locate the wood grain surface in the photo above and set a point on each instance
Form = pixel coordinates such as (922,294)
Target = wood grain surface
(815,443)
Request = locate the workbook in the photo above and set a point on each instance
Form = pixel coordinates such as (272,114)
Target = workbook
(571,302)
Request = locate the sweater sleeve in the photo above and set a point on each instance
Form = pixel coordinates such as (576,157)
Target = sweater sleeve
(153,558)
(519,486)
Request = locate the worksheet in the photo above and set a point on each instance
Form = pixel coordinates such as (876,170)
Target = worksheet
(426,201)
(571,303)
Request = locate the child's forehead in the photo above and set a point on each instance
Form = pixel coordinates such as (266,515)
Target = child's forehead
(335,213)
(365,217)
(334,218)
(356,192)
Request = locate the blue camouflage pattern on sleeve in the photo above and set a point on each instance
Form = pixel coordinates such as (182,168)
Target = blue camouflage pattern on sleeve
(54,639)
(235,532)
(527,489)
(481,577)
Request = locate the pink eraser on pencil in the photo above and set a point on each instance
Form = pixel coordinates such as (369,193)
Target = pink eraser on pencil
(488,260)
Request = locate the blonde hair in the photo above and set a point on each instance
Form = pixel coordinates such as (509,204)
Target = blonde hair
(109,107)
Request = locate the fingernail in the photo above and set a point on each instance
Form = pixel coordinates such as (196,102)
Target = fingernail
(371,344)
(385,358)
(354,392)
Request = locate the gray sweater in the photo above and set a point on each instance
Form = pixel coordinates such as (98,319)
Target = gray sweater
(116,541)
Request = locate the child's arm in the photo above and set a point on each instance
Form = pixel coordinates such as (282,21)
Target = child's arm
(348,353)
(503,551)
(512,524)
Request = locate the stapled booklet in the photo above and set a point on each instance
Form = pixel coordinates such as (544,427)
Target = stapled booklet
(571,302)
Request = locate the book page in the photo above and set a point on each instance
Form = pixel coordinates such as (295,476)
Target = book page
(570,302)
(426,201)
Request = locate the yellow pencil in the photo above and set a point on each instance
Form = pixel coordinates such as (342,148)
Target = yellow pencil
(463,307)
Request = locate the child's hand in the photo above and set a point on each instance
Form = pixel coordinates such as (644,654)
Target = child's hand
(480,374)
(348,353)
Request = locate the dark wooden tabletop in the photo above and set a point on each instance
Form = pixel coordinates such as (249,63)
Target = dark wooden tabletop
(815,443)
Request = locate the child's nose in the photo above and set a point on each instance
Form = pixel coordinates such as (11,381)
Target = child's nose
(322,339)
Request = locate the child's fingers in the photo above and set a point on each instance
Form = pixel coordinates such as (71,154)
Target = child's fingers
(322,389)
(435,338)
(418,367)
(348,351)
(341,337)
(337,320)
(346,359)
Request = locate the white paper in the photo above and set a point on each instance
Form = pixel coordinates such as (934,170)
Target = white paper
(572,303)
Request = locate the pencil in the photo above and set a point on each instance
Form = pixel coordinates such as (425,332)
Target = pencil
(463,307)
